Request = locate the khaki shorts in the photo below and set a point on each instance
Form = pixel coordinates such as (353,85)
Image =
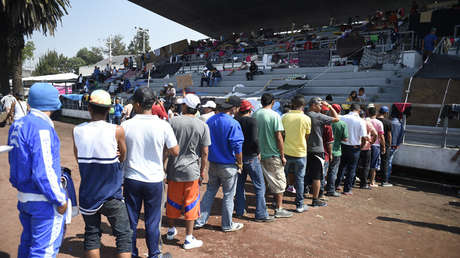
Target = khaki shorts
(274,174)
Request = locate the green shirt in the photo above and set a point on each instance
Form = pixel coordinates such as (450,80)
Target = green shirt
(268,123)
(340,132)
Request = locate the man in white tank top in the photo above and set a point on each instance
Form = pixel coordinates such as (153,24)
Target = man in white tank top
(99,147)
(19,107)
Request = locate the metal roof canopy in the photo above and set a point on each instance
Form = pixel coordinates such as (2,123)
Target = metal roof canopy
(215,18)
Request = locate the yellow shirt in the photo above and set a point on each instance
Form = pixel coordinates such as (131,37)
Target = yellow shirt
(296,125)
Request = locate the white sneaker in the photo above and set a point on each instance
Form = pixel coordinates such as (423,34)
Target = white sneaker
(171,234)
(195,243)
(235,227)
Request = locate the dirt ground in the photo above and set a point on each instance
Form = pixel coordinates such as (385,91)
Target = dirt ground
(408,220)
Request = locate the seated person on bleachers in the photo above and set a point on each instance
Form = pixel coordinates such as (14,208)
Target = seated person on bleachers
(205,77)
(252,71)
(216,77)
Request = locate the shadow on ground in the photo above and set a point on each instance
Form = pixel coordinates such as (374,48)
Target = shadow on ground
(451,229)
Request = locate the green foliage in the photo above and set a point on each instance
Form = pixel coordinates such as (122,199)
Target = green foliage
(136,45)
(118,46)
(90,56)
(74,63)
(28,51)
(54,63)
(27,16)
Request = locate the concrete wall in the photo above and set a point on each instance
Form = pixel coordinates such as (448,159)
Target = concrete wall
(428,158)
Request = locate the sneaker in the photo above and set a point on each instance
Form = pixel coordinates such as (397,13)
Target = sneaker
(172,232)
(198,226)
(195,243)
(164,255)
(302,208)
(291,189)
(282,213)
(333,194)
(235,227)
(386,184)
(318,203)
(347,193)
(266,219)
(365,187)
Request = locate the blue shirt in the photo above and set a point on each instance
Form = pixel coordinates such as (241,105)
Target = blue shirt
(226,139)
(429,41)
(118,109)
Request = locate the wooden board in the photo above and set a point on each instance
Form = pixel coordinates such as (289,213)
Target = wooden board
(184,81)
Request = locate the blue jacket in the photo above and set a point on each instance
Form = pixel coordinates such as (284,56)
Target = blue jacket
(226,139)
(35,169)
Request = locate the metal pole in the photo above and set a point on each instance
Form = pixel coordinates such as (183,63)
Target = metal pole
(408,90)
(143,39)
(443,102)
(148,81)
(445,131)
(110,50)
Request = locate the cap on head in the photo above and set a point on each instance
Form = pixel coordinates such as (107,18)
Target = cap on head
(315,100)
(100,98)
(44,97)
(191,100)
(337,108)
(232,101)
(245,105)
(384,109)
(209,104)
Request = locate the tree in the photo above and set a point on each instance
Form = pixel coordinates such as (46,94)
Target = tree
(74,63)
(118,46)
(19,18)
(51,63)
(90,56)
(136,45)
(28,51)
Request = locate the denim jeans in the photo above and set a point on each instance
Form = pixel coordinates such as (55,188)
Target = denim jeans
(215,81)
(332,174)
(251,166)
(349,162)
(224,175)
(390,164)
(323,179)
(297,166)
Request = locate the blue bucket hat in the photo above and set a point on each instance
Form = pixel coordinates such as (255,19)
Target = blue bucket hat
(44,97)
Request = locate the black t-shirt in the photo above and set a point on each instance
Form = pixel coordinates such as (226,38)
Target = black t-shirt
(387,130)
(249,128)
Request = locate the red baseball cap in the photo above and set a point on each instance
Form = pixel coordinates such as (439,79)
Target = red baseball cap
(245,105)
(337,108)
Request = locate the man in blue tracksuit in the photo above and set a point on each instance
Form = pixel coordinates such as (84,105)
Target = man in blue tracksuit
(35,171)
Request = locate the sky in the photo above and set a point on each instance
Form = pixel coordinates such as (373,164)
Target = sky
(89,22)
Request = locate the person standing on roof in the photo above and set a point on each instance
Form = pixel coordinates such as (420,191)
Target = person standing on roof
(35,171)
(429,43)
(99,147)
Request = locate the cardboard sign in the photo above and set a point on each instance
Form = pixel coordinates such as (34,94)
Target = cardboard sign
(184,81)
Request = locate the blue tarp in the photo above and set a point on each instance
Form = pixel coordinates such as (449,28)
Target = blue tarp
(74,97)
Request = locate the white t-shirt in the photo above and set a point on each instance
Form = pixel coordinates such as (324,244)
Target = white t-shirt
(7,101)
(356,128)
(206,116)
(146,136)
(20,109)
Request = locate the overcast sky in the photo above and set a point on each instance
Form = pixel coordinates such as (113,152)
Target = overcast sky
(91,21)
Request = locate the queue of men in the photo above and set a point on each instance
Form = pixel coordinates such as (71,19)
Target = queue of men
(124,167)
